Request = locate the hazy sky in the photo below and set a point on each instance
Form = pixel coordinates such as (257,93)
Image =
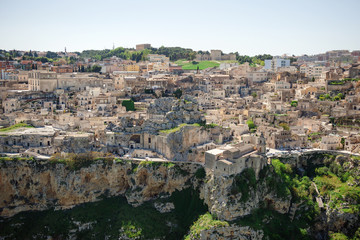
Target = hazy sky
(249,27)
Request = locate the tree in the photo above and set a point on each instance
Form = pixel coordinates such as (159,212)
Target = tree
(285,126)
(96,68)
(51,55)
(178,93)
(251,124)
(192,56)
(336,98)
(294,103)
(129,104)
(254,94)
(341,95)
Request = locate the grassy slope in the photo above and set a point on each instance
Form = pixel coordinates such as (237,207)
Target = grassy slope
(175,129)
(15,126)
(206,221)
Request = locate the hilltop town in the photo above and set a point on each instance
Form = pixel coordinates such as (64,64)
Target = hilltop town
(152,107)
(178,105)
(170,134)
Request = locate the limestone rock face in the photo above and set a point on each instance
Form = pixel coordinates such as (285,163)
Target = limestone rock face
(231,232)
(216,193)
(39,185)
(164,207)
(342,222)
(188,136)
(335,221)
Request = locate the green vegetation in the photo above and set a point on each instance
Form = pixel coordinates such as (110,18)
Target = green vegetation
(178,93)
(205,222)
(16,159)
(324,97)
(172,130)
(94,68)
(200,173)
(343,81)
(251,124)
(243,182)
(205,125)
(294,103)
(336,181)
(186,65)
(77,161)
(274,224)
(253,61)
(110,218)
(281,182)
(337,97)
(174,53)
(15,126)
(168,164)
(129,104)
(175,129)
(285,126)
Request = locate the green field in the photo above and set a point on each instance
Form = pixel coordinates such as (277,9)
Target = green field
(188,65)
(15,126)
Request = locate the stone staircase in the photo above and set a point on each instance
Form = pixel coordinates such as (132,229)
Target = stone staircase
(292,211)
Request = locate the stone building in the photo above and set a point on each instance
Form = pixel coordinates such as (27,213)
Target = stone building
(215,55)
(42,81)
(39,140)
(140,47)
(330,142)
(233,159)
(11,105)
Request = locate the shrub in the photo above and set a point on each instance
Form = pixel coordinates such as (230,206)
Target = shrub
(243,182)
(251,124)
(129,104)
(206,221)
(200,173)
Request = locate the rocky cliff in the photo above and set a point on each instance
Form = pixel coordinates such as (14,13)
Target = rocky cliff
(231,232)
(38,185)
(279,202)
(232,197)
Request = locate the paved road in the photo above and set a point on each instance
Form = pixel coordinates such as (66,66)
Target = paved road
(276,152)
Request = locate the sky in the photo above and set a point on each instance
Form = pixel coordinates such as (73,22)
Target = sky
(249,27)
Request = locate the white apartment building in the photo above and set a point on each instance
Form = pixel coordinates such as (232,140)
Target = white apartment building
(257,77)
(276,63)
(312,71)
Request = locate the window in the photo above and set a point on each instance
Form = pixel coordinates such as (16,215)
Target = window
(149,140)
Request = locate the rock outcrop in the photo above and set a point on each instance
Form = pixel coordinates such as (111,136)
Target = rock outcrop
(39,185)
(231,232)
(218,194)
